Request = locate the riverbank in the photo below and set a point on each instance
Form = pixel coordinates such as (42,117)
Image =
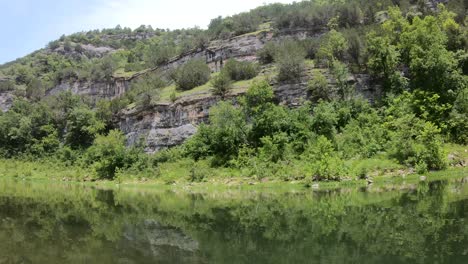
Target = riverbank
(47,173)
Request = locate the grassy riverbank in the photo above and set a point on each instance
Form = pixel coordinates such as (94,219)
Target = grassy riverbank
(179,175)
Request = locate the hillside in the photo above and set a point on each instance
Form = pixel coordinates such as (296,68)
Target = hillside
(278,86)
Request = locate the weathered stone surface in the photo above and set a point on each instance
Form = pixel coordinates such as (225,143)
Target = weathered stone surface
(94,90)
(155,240)
(166,125)
(6,100)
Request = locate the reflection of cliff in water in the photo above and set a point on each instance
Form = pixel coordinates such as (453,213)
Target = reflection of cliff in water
(152,240)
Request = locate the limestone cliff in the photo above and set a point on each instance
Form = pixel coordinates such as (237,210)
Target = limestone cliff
(169,124)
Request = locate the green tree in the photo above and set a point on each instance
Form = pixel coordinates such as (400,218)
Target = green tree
(35,90)
(318,87)
(108,154)
(240,70)
(221,84)
(192,74)
(333,46)
(82,127)
(290,61)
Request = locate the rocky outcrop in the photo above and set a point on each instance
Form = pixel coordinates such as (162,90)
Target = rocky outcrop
(156,241)
(93,90)
(243,47)
(167,125)
(6,100)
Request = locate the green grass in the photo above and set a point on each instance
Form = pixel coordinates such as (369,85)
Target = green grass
(121,73)
(265,27)
(205,89)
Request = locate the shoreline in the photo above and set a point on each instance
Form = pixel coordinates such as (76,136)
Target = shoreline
(220,184)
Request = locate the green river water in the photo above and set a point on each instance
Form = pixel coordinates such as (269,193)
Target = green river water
(69,223)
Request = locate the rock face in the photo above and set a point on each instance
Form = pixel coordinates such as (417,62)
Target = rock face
(6,100)
(93,90)
(165,125)
(159,242)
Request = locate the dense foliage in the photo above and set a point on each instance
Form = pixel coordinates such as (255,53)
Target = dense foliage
(416,54)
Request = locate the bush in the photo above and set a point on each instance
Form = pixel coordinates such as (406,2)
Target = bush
(224,136)
(267,54)
(7,85)
(333,46)
(323,162)
(145,90)
(108,154)
(325,120)
(82,127)
(290,61)
(192,74)
(414,141)
(318,87)
(240,70)
(222,85)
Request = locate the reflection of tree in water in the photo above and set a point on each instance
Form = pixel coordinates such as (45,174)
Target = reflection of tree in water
(66,223)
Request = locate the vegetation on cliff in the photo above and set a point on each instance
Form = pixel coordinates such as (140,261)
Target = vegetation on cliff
(417,55)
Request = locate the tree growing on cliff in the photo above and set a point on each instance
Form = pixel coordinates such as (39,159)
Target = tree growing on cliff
(221,84)
(192,74)
(290,61)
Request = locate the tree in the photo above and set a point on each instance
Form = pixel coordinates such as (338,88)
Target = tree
(159,53)
(192,74)
(333,45)
(108,154)
(384,60)
(240,70)
(341,74)
(67,46)
(223,137)
(267,54)
(257,96)
(82,127)
(290,61)
(318,87)
(221,84)
(35,90)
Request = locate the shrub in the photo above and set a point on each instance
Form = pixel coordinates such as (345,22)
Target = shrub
(323,162)
(414,141)
(173,96)
(192,74)
(146,90)
(340,73)
(107,154)
(333,46)
(324,120)
(258,95)
(223,137)
(7,85)
(222,85)
(267,54)
(82,127)
(318,87)
(274,148)
(79,48)
(240,70)
(290,61)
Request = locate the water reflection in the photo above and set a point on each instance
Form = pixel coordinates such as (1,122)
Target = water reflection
(43,223)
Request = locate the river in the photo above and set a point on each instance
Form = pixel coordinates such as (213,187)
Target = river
(43,222)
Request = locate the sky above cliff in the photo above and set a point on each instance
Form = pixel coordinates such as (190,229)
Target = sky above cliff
(28,25)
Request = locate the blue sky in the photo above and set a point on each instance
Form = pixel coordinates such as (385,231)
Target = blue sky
(28,25)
